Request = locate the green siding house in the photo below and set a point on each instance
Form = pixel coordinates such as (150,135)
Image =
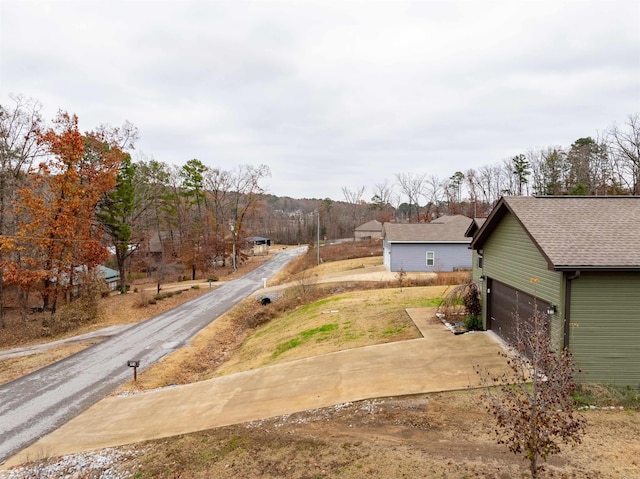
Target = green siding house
(578,260)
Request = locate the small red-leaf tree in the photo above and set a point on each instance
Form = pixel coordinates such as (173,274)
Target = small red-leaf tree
(532,402)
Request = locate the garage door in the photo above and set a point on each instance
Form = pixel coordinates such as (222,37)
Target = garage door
(503,301)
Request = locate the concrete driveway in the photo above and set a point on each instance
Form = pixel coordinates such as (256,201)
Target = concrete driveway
(439,361)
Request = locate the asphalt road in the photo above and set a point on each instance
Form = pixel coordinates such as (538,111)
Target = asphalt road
(36,404)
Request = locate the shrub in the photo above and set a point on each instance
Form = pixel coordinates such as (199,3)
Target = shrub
(463,300)
(142,300)
(259,316)
(473,323)
(601,395)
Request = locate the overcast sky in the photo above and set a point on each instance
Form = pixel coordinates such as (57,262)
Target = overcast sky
(329,94)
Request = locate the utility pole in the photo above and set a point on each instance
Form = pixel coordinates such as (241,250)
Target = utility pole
(318,236)
(233,239)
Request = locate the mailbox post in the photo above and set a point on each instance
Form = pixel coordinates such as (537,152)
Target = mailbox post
(134,363)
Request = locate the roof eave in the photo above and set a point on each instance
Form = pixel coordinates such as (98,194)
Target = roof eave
(429,241)
(612,268)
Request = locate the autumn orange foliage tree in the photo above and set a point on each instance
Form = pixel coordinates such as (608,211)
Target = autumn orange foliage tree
(58,237)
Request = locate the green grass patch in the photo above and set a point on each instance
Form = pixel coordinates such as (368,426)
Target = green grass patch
(333,299)
(349,319)
(305,336)
(322,329)
(394,331)
(286,346)
(430,302)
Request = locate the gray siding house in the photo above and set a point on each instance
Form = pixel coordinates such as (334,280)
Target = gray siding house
(370,230)
(427,247)
(578,260)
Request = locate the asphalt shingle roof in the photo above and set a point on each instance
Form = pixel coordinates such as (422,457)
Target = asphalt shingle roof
(373,225)
(590,231)
(445,229)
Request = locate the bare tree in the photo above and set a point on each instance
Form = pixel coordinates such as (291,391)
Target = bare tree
(472,188)
(19,148)
(218,184)
(245,199)
(625,145)
(412,186)
(532,403)
(434,194)
(485,184)
(382,200)
(354,199)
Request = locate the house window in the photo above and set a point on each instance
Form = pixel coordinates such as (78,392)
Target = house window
(431,258)
(480,262)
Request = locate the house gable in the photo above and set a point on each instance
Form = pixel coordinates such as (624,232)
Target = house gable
(575,232)
(511,257)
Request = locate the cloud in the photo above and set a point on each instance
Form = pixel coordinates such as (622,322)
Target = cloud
(332,93)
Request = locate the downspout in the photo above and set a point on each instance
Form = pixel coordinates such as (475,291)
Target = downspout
(567,307)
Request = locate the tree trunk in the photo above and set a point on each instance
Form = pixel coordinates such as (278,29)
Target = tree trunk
(2,325)
(120,259)
(534,467)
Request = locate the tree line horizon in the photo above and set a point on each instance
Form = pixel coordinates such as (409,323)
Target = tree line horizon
(71,201)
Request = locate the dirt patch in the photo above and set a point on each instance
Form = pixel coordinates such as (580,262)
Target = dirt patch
(444,435)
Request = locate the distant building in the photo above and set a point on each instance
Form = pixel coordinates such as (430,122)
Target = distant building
(428,247)
(258,245)
(369,230)
(111,276)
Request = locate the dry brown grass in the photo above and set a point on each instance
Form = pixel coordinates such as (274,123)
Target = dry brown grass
(338,322)
(359,250)
(289,330)
(19,366)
